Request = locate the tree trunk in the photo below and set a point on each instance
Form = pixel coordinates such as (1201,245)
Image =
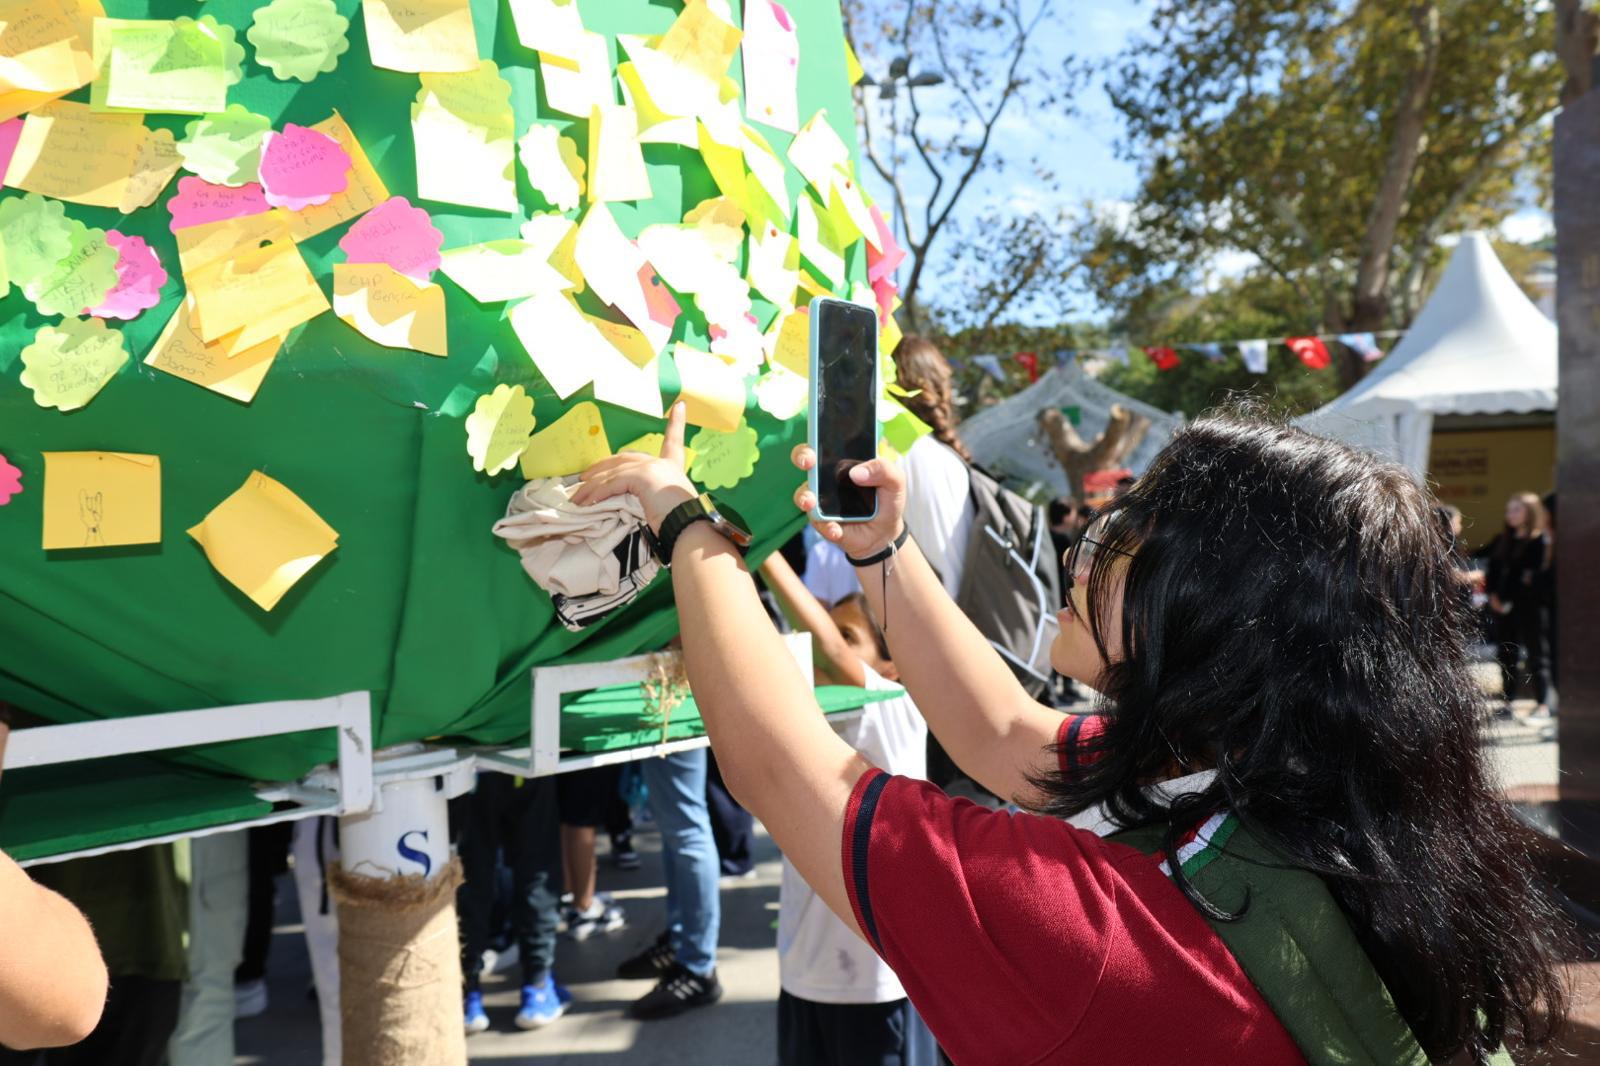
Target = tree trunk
(1079,458)
(1577,40)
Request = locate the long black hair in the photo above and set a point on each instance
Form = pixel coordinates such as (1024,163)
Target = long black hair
(1290,618)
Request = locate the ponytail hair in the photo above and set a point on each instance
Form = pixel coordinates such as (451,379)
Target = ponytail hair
(923,369)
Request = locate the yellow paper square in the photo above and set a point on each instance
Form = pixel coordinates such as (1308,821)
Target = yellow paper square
(792,348)
(46,46)
(574,84)
(464,133)
(627,340)
(421,35)
(101,499)
(712,391)
(389,308)
(363,189)
(265,292)
(616,162)
(179,351)
(651,444)
(72,153)
(264,538)
(200,246)
(701,40)
(572,443)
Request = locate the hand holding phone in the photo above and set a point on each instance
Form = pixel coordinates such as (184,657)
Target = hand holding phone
(842,416)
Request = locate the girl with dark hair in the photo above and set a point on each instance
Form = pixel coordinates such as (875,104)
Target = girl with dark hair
(1517,558)
(1297,854)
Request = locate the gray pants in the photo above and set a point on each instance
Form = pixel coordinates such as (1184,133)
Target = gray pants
(218,885)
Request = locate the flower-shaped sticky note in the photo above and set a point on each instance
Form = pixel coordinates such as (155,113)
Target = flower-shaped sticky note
(722,460)
(301,167)
(398,235)
(80,280)
(198,202)
(35,234)
(225,148)
(499,427)
(781,393)
(553,164)
(299,38)
(68,364)
(140,276)
(10,481)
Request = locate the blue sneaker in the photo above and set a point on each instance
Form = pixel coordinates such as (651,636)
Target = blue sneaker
(563,993)
(477,1020)
(541,1005)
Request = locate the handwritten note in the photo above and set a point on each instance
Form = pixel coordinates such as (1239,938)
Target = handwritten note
(72,153)
(618,274)
(225,148)
(421,36)
(774,265)
(236,374)
(781,393)
(791,343)
(363,188)
(173,65)
(616,162)
(701,39)
(265,292)
(390,308)
(35,234)
(158,161)
(555,169)
(771,64)
(577,81)
(10,132)
(264,539)
(499,428)
(101,499)
(10,481)
(723,459)
(508,269)
(299,39)
(398,234)
(46,48)
(68,364)
(466,139)
(204,244)
(689,262)
(199,202)
(571,352)
(818,152)
(569,445)
(819,245)
(140,276)
(711,390)
(301,167)
(81,279)
(552,26)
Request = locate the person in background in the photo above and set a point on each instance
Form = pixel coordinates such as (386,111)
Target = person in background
(1515,559)
(219,888)
(840,1004)
(1552,620)
(52,978)
(519,817)
(732,827)
(827,573)
(619,820)
(581,797)
(1124,483)
(268,856)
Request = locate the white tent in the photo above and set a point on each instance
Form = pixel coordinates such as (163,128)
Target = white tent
(1006,437)
(1479,346)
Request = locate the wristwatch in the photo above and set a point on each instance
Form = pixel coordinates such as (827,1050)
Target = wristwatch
(724,519)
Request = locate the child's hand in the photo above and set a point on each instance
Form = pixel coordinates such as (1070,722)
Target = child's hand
(859,539)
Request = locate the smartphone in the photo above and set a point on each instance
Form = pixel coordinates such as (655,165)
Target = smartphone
(843,412)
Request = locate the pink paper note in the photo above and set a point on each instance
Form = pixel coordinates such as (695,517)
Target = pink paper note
(10,481)
(883,264)
(397,234)
(139,279)
(198,202)
(885,290)
(10,130)
(301,167)
(658,298)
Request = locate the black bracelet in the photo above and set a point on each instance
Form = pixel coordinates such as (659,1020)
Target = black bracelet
(878,557)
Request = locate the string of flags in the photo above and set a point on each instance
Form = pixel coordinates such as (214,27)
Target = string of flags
(1312,350)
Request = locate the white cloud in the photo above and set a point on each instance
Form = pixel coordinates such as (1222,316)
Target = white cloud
(1527,226)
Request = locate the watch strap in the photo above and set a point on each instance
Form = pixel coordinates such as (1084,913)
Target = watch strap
(678,519)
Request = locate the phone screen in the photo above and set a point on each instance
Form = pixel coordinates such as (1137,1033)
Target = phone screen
(846,405)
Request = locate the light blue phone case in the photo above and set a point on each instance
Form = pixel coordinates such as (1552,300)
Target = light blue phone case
(817,303)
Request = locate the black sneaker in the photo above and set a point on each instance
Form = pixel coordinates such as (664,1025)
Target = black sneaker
(677,991)
(650,963)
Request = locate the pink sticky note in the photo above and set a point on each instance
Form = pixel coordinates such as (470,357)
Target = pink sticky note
(885,290)
(10,130)
(397,234)
(198,202)
(658,298)
(883,264)
(10,481)
(140,276)
(301,167)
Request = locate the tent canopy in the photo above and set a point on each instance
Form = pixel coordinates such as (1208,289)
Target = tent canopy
(1479,346)
(1006,437)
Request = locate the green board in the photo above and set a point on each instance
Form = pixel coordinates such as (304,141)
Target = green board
(419,604)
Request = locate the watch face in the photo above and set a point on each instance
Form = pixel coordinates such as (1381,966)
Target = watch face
(727,520)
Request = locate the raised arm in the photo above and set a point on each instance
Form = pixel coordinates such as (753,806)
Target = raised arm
(973,703)
(832,655)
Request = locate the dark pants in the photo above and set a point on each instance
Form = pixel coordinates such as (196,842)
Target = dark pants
(854,1034)
(732,827)
(140,1015)
(269,857)
(1521,635)
(497,817)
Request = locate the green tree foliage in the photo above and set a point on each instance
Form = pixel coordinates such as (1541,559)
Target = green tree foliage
(1334,141)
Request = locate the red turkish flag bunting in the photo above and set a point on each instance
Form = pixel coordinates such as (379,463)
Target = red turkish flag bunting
(1163,358)
(1029,362)
(1311,350)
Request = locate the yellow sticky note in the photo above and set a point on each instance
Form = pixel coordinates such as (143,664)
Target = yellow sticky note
(774,265)
(612,265)
(509,269)
(701,40)
(791,348)
(418,36)
(849,213)
(499,428)
(616,162)
(577,82)
(389,308)
(689,262)
(818,152)
(363,188)
(264,538)
(551,26)
(46,46)
(201,246)
(819,245)
(153,170)
(889,334)
(656,126)
(466,139)
(75,154)
(634,345)
(265,292)
(179,351)
(651,444)
(572,443)
(101,499)
(721,222)
(571,352)
(553,165)
(712,391)
(852,66)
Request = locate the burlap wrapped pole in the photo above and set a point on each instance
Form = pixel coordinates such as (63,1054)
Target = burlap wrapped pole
(400,968)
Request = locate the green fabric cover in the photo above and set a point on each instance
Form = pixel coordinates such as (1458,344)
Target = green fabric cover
(419,604)
(615,717)
(51,810)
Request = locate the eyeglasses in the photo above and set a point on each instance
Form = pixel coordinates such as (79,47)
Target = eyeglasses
(1079,559)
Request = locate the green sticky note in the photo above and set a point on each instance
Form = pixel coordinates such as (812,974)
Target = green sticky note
(68,364)
(225,148)
(723,459)
(299,38)
(36,236)
(182,66)
(81,279)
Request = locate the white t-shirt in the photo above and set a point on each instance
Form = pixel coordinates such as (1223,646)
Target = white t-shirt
(819,957)
(938,507)
(829,576)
